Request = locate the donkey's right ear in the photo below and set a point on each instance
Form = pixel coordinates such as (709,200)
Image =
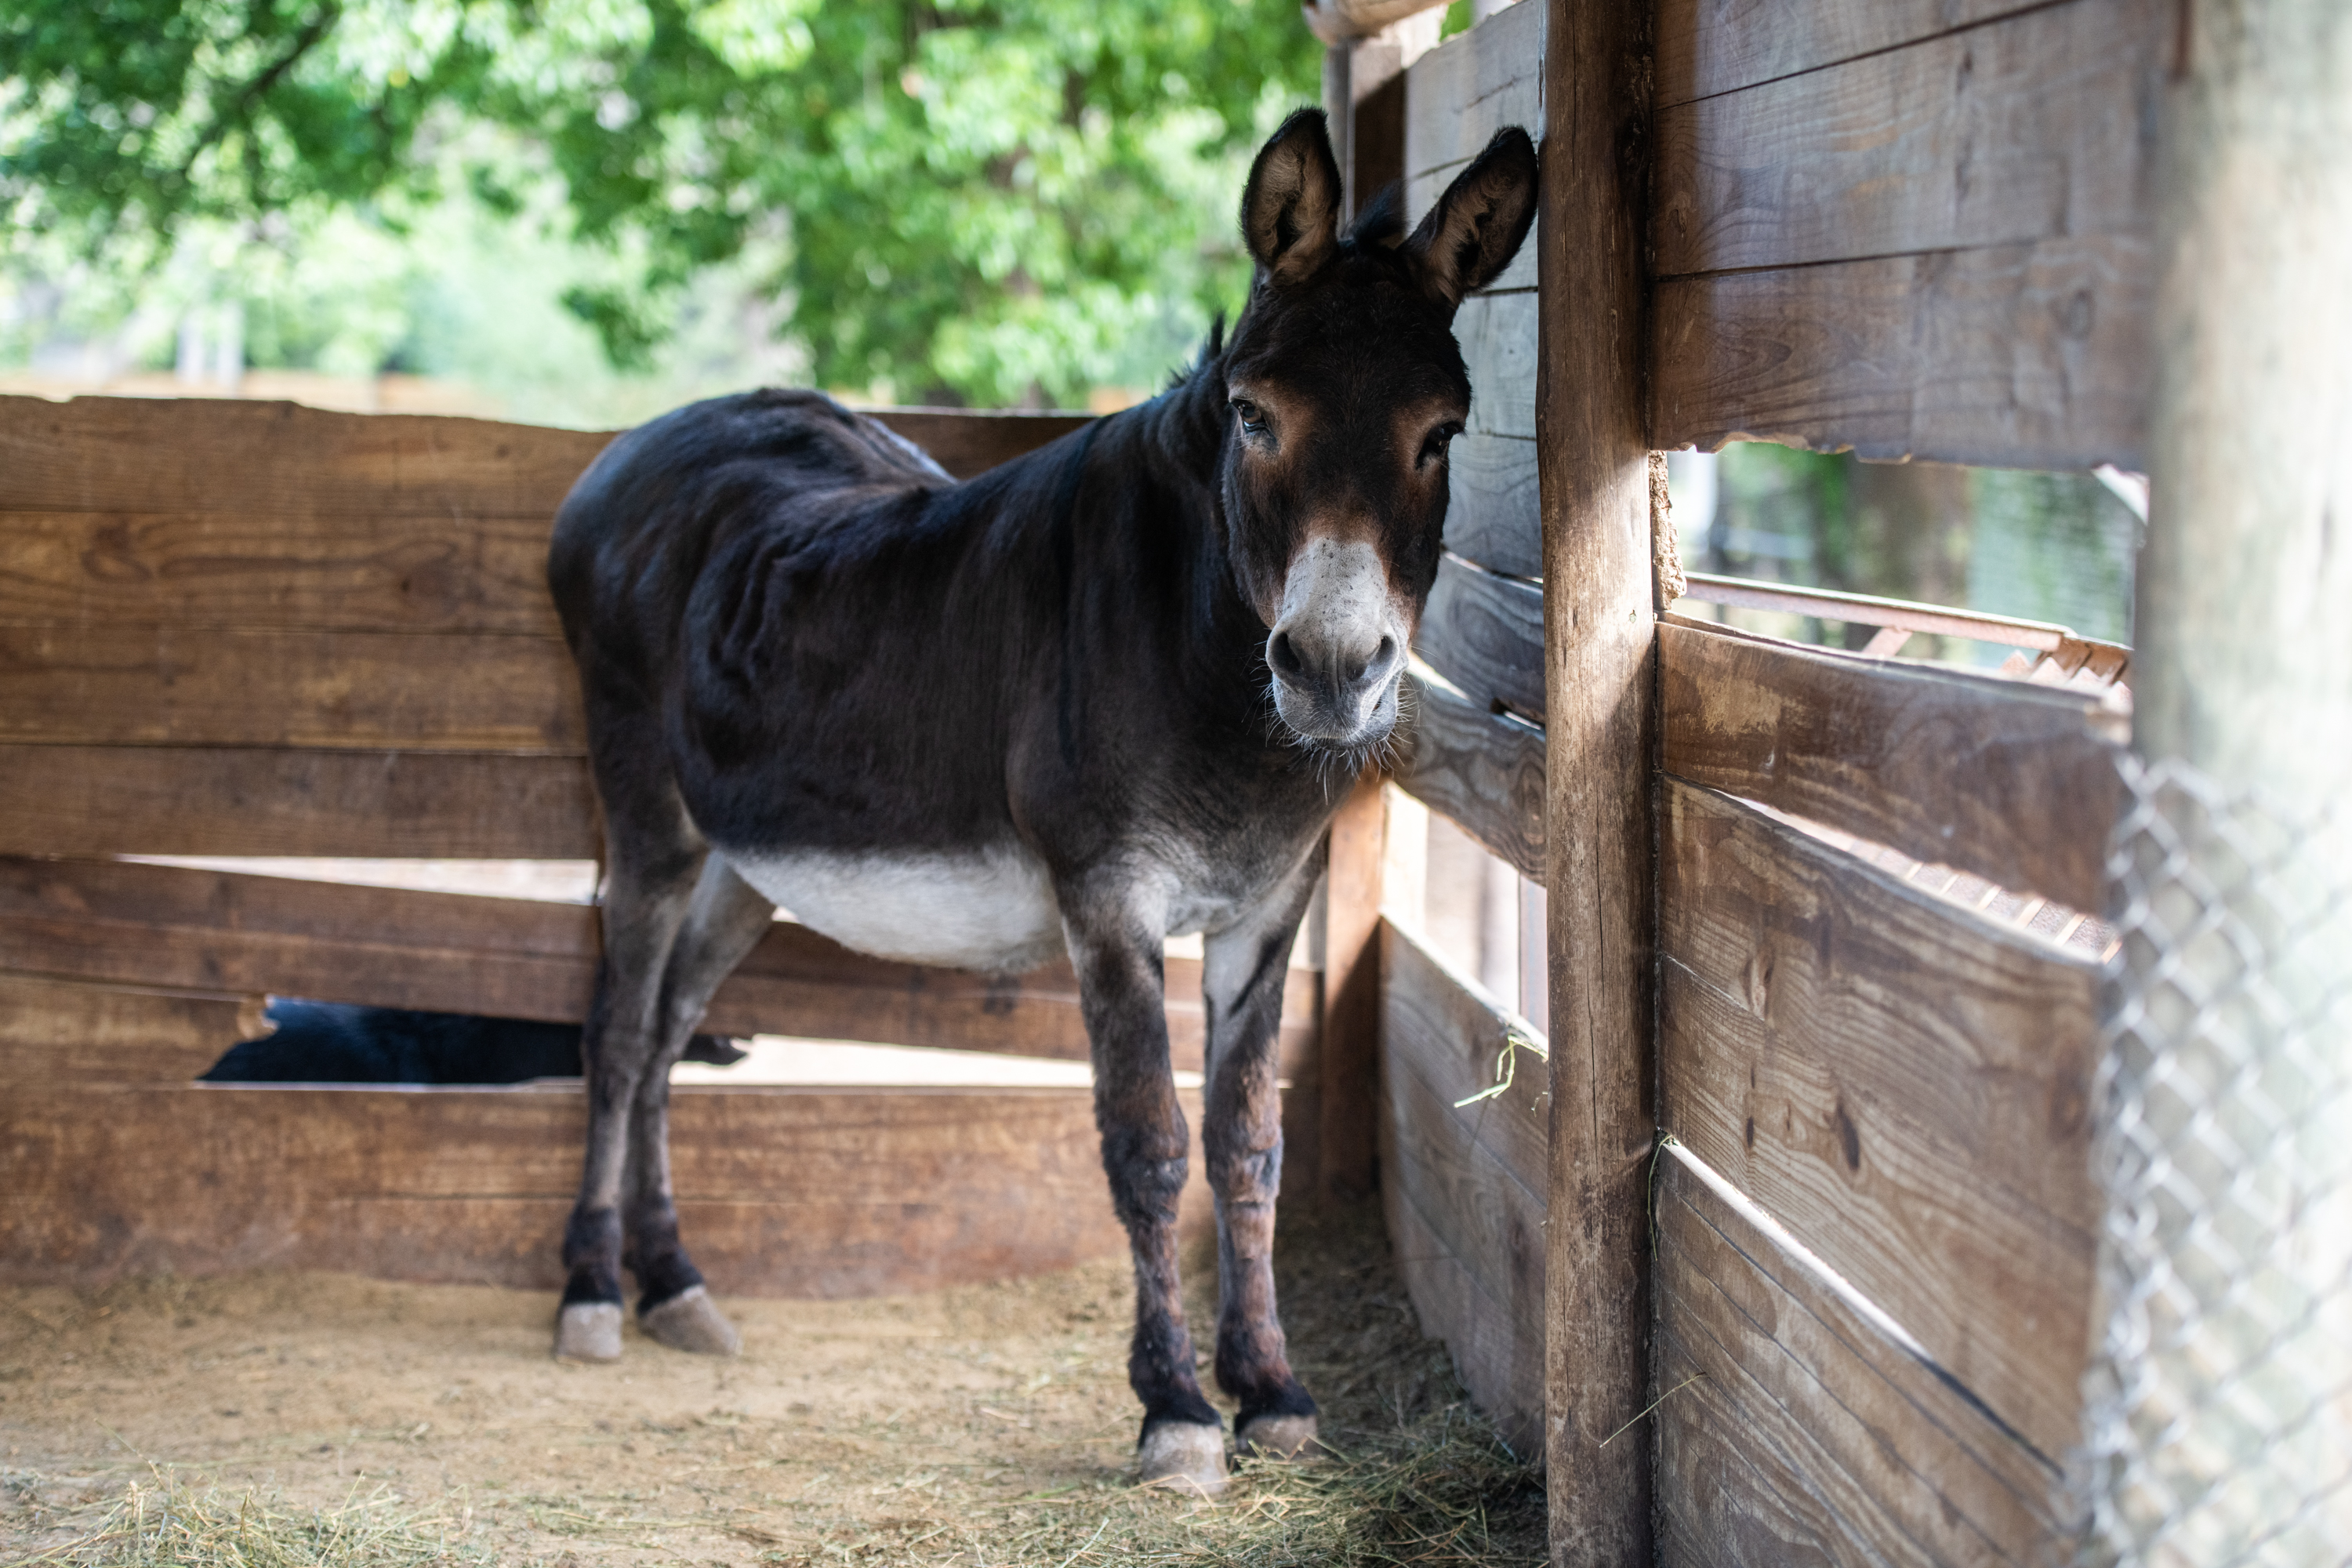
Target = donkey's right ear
(1290,209)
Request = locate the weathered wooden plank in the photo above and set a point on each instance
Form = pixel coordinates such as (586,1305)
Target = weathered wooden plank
(2037,127)
(168,456)
(1346,1140)
(1497,335)
(1849,1430)
(1458,95)
(1485,634)
(1905,1086)
(1472,1177)
(471,573)
(1491,1356)
(1706,46)
(174,800)
(1599,643)
(1728,1498)
(2014,781)
(1452,1038)
(2020,356)
(1483,769)
(1473,85)
(1493,517)
(781,1191)
(210,930)
(56,1032)
(1485,1218)
(152,455)
(91,683)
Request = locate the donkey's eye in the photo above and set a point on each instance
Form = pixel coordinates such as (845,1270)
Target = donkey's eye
(1253,418)
(1436,444)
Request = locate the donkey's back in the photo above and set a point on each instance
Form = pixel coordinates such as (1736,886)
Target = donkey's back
(647,518)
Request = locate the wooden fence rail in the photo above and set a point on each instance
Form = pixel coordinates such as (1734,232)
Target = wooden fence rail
(252,629)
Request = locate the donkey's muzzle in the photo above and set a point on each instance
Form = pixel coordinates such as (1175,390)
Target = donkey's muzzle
(1341,692)
(1337,648)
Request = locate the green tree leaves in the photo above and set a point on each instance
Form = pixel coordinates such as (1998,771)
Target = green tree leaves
(996,201)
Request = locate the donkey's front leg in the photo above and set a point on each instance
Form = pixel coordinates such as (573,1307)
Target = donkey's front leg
(1242,984)
(1118,950)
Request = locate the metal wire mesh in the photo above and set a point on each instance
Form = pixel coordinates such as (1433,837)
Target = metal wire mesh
(2220,1399)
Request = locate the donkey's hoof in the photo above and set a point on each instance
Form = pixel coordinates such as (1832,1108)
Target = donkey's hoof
(1279,1436)
(1186,1458)
(689,1321)
(589,1331)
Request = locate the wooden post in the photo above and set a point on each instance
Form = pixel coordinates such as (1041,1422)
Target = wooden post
(1347,1140)
(2244,666)
(1601,672)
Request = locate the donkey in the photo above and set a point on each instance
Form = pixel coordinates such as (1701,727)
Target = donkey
(976,724)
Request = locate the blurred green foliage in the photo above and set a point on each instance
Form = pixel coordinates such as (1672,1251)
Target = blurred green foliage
(2038,546)
(988,200)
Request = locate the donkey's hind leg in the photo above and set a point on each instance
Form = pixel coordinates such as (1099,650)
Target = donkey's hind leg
(725,920)
(647,893)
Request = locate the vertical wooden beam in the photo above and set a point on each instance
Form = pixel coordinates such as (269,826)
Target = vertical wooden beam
(1349,1128)
(2244,665)
(1601,669)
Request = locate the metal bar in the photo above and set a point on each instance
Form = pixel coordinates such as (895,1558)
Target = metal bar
(1864,610)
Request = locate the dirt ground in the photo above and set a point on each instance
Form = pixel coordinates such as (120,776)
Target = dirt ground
(984,1425)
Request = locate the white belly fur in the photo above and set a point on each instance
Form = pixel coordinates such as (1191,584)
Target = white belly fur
(985,909)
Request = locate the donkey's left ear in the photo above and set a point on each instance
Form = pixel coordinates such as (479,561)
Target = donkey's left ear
(1476,226)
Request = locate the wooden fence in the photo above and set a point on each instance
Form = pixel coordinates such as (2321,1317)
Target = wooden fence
(239,629)
(1809,1164)
(1807,1168)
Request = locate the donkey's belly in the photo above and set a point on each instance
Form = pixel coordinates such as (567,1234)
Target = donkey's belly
(987,909)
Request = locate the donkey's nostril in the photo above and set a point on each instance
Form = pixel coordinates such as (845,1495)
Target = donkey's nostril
(1387,655)
(1284,658)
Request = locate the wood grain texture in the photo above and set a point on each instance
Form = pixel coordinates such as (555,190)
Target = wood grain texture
(177,800)
(2032,356)
(90,683)
(1599,661)
(1485,770)
(1810,1436)
(169,456)
(1497,335)
(55,1031)
(1485,634)
(1905,1087)
(1473,85)
(968,441)
(1348,1136)
(1470,1177)
(128,454)
(2014,781)
(1706,46)
(223,932)
(1493,517)
(2037,127)
(780,1192)
(1457,96)
(284,572)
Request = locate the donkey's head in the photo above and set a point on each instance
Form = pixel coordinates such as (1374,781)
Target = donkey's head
(1346,387)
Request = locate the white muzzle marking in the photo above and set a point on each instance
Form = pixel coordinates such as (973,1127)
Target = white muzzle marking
(1337,617)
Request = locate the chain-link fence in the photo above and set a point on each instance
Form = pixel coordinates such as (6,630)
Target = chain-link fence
(2220,1423)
